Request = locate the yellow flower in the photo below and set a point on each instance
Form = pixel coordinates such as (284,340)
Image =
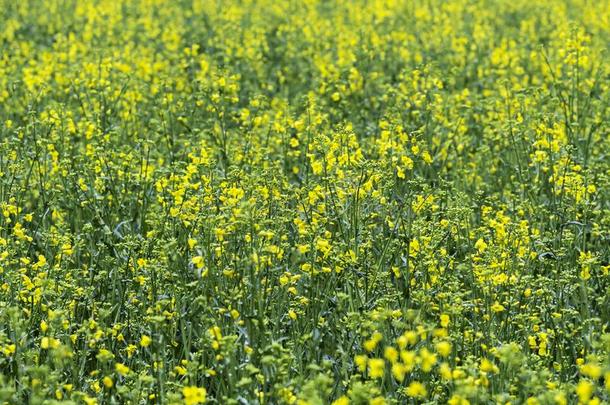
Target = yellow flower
(391,354)
(361,361)
(108,383)
(49,343)
(444,320)
(90,401)
(592,370)
(414,247)
(411,336)
(409,358)
(497,307)
(376,368)
(122,369)
(198,261)
(584,390)
(323,246)
(428,359)
(145,341)
(105,355)
(342,400)
(398,371)
(458,400)
(443,348)
(416,390)
(377,401)
(488,367)
(317,167)
(480,245)
(9,350)
(445,371)
(194,395)
(131,349)
(560,398)
(371,343)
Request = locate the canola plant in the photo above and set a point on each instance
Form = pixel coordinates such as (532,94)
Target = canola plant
(304,202)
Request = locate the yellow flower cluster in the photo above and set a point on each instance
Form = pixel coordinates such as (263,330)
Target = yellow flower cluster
(305,202)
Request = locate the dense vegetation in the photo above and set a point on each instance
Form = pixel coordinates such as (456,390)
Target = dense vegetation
(304,202)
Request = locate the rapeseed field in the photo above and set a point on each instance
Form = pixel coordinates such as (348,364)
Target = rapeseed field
(304,202)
